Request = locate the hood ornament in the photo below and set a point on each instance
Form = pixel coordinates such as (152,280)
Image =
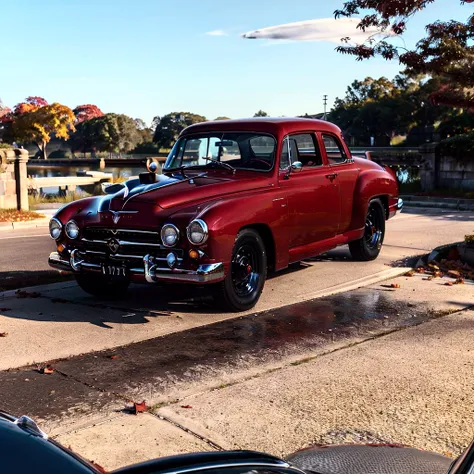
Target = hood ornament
(116,215)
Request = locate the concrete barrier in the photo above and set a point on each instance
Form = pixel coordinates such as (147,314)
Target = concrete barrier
(13,179)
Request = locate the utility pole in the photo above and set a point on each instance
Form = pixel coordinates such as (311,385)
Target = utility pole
(325,102)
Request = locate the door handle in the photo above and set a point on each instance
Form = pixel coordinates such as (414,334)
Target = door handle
(331,176)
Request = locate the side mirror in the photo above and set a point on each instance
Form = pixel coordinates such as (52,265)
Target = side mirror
(296,167)
(109,188)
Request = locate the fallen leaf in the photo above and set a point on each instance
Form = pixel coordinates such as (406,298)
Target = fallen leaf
(186,406)
(139,407)
(49,369)
(448,283)
(420,270)
(114,356)
(394,285)
(3,334)
(428,278)
(459,281)
(5,309)
(410,273)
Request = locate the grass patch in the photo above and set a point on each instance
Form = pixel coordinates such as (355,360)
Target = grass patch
(54,198)
(13,215)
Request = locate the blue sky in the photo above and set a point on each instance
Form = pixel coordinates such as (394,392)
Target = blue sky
(150,57)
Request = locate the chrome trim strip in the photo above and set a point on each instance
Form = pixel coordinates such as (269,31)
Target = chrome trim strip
(257,464)
(95,252)
(124,242)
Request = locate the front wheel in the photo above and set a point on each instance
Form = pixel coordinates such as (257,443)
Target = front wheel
(97,285)
(244,282)
(369,246)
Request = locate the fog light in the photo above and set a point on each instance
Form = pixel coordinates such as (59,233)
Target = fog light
(171,260)
(194,254)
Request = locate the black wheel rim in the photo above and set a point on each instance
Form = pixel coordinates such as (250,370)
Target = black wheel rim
(245,270)
(373,229)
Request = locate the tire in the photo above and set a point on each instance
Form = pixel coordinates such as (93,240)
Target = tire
(368,247)
(97,285)
(244,282)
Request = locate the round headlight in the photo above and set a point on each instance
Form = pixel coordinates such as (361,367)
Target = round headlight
(197,232)
(169,235)
(55,228)
(72,230)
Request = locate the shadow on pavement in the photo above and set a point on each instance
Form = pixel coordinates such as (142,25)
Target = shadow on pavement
(12,280)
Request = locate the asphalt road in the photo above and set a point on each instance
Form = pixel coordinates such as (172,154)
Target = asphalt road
(23,258)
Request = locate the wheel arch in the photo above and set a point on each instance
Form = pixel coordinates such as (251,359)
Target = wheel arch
(268,240)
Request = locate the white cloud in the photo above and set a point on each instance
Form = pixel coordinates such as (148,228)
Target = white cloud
(323,29)
(216,33)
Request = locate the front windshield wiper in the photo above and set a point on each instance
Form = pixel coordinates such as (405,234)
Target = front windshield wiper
(221,163)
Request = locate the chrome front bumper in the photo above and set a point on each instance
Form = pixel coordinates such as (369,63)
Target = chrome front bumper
(206,273)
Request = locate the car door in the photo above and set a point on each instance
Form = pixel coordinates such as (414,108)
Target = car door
(312,193)
(337,156)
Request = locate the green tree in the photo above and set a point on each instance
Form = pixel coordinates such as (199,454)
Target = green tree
(261,113)
(115,133)
(168,127)
(222,118)
(447,51)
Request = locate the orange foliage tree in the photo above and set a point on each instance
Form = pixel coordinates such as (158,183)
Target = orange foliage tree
(37,121)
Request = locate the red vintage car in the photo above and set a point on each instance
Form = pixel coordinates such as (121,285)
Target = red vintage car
(236,199)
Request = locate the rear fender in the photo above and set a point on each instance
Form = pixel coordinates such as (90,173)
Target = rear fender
(370,184)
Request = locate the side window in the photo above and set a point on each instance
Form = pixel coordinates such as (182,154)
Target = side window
(334,150)
(307,149)
(303,148)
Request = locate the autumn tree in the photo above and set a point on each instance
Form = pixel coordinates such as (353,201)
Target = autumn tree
(221,118)
(261,113)
(36,121)
(87,112)
(447,50)
(168,127)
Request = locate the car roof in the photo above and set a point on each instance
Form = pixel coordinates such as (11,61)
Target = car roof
(277,126)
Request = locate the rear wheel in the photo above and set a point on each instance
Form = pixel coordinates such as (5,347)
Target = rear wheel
(97,285)
(244,282)
(369,246)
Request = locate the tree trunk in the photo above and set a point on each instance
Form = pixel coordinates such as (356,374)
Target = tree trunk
(44,150)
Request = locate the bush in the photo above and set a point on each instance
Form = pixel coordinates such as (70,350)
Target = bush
(460,147)
(146,147)
(5,145)
(59,154)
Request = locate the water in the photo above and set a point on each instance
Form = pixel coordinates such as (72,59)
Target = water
(49,171)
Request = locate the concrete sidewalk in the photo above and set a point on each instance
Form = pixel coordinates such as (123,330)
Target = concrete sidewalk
(435,202)
(409,385)
(41,222)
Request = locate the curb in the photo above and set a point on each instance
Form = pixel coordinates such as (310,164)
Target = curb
(24,225)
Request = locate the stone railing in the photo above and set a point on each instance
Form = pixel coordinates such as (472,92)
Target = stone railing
(13,179)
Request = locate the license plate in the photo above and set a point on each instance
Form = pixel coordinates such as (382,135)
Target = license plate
(115,272)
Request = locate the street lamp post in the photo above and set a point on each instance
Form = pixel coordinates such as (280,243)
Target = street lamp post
(325,102)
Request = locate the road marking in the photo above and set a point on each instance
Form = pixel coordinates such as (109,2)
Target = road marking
(23,236)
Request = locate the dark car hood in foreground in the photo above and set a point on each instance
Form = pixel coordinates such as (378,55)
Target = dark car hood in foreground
(174,190)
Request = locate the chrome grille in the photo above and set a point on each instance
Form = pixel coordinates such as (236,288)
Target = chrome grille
(129,235)
(133,244)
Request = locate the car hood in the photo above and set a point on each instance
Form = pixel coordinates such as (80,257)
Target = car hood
(176,190)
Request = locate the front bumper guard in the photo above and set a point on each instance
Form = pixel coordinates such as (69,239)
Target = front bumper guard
(399,204)
(206,273)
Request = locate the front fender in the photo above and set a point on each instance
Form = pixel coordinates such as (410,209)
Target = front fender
(225,217)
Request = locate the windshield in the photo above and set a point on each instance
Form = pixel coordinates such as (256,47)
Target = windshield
(249,151)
